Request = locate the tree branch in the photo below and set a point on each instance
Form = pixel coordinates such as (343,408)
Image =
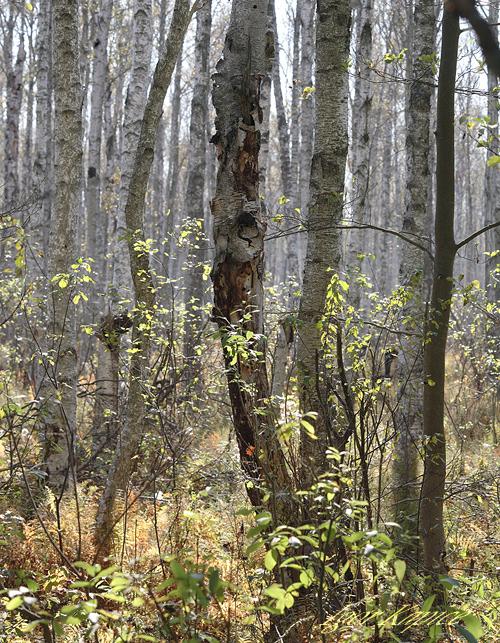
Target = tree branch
(489,45)
(354,226)
(477,233)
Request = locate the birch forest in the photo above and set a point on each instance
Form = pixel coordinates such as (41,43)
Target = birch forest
(249,321)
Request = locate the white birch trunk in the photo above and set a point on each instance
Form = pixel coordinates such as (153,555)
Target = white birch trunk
(325,211)
(195,188)
(14,98)
(96,220)
(59,411)
(132,118)
(143,318)
(492,184)
(408,416)
(362,104)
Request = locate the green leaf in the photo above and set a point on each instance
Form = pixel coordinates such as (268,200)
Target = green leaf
(493,160)
(468,636)
(31,585)
(70,609)
(138,602)
(63,282)
(177,569)
(428,603)
(270,560)
(306,577)
(473,624)
(275,591)
(87,567)
(215,585)
(257,544)
(352,538)
(448,581)
(309,429)
(344,285)
(107,571)
(14,603)
(400,569)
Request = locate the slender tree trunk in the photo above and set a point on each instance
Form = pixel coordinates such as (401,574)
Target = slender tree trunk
(110,332)
(108,354)
(239,229)
(307,107)
(325,212)
(265,105)
(411,275)
(293,260)
(106,406)
(285,334)
(431,511)
(133,114)
(173,170)
(59,412)
(143,317)
(492,184)
(96,221)
(27,174)
(14,97)
(283,132)
(38,223)
(155,222)
(361,136)
(195,189)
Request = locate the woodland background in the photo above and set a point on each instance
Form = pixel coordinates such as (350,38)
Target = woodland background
(249,320)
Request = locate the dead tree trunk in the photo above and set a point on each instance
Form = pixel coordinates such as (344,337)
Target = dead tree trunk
(239,228)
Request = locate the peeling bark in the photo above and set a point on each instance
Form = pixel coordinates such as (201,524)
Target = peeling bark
(239,229)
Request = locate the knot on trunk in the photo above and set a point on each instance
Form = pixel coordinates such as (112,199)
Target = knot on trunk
(111,329)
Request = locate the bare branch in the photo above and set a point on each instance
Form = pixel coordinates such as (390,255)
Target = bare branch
(489,45)
(477,233)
